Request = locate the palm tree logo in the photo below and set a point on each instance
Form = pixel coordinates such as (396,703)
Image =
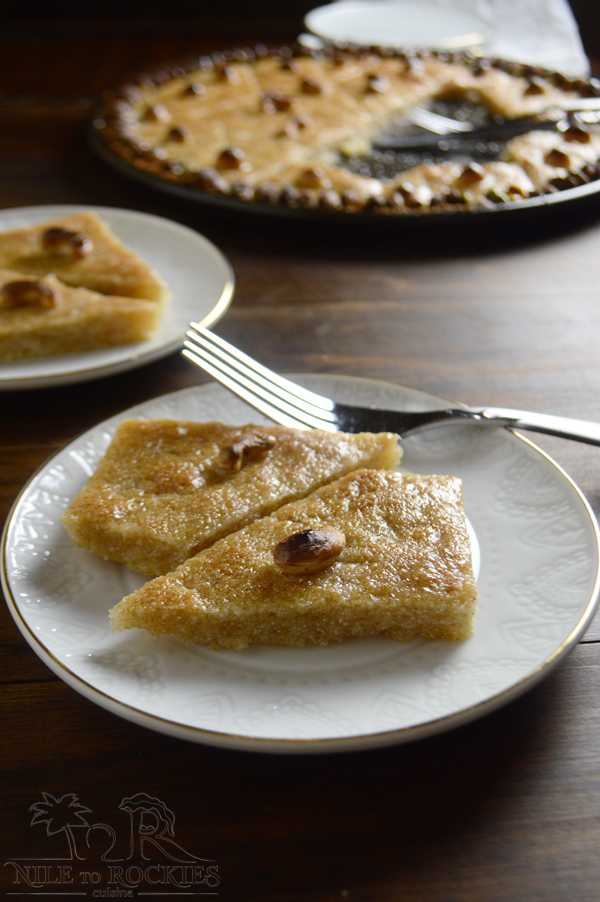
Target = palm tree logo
(63,814)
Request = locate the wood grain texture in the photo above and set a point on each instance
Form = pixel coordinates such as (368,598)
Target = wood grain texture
(505,808)
(478,813)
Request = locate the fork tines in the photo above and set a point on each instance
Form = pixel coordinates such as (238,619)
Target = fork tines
(276,397)
(441,125)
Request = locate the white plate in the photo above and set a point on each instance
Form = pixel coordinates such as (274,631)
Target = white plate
(538,583)
(199,276)
(395,24)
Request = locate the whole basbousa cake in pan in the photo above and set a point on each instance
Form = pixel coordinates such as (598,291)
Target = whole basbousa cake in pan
(288,129)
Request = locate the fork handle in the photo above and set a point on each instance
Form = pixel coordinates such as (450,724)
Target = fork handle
(356,419)
(564,427)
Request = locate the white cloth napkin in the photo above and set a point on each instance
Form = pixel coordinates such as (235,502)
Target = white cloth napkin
(541,32)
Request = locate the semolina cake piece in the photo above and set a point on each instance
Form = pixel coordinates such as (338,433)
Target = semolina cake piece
(548,155)
(43,317)
(485,183)
(373,553)
(81,250)
(166,489)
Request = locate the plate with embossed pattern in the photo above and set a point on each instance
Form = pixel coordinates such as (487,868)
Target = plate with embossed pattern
(536,552)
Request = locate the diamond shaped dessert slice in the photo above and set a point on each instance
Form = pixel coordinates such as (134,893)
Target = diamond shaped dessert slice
(167,489)
(43,317)
(404,571)
(82,251)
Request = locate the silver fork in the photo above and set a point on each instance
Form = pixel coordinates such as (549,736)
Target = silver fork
(290,404)
(445,134)
(444,125)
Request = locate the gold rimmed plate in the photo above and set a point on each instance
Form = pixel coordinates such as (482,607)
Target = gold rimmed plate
(536,549)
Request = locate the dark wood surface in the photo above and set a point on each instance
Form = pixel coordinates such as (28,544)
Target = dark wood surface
(506,808)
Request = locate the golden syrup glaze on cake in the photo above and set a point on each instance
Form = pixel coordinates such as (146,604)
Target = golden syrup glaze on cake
(162,491)
(405,571)
(106,265)
(71,319)
(275,126)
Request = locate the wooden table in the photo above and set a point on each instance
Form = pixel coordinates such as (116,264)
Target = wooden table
(504,808)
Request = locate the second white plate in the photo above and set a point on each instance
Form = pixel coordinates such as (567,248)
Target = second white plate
(200,278)
(392,23)
(538,589)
